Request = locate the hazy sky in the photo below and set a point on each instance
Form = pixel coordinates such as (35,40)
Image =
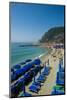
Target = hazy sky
(30,21)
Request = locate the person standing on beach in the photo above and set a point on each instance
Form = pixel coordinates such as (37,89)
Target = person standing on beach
(48,61)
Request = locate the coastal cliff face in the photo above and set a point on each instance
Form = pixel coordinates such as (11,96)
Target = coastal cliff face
(53,35)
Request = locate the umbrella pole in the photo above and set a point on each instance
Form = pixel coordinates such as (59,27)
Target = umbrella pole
(24,90)
(34,76)
(45,65)
(59,64)
(40,70)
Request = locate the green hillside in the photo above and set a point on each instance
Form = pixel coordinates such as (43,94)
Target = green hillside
(55,34)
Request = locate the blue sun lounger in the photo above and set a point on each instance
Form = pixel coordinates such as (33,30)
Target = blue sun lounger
(57,92)
(36,83)
(37,86)
(60,78)
(17,66)
(60,74)
(61,69)
(41,79)
(46,72)
(33,89)
(26,94)
(60,81)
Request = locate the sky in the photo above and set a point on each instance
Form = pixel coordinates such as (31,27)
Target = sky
(30,21)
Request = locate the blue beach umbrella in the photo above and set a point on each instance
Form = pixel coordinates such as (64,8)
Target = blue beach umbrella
(24,69)
(17,66)
(37,62)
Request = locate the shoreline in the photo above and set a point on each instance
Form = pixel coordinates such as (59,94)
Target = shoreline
(49,50)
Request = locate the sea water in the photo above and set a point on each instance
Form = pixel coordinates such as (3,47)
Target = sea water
(21,53)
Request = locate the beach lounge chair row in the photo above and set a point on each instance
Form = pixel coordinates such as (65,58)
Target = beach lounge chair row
(36,85)
(60,74)
(60,78)
(58,90)
(59,81)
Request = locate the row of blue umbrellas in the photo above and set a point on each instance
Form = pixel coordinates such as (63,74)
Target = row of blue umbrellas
(35,62)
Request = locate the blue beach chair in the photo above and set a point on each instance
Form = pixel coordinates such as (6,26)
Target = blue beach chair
(33,89)
(60,78)
(37,86)
(46,71)
(61,69)
(41,79)
(26,94)
(36,83)
(57,92)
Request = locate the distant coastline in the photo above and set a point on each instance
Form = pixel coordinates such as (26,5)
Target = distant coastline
(28,45)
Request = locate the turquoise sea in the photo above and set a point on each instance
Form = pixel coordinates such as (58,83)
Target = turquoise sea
(22,53)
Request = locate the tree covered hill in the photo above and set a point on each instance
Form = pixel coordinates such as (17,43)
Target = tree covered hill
(55,34)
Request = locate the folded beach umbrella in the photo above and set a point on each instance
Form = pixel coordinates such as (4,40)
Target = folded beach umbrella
(12,70)
(13,77)
(17,66)
(23,69)
(33,89)
(22,63)
(19,72)
(37,61)
(28,60)
(34,75)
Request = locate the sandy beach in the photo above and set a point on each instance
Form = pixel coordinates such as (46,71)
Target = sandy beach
(50,81)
